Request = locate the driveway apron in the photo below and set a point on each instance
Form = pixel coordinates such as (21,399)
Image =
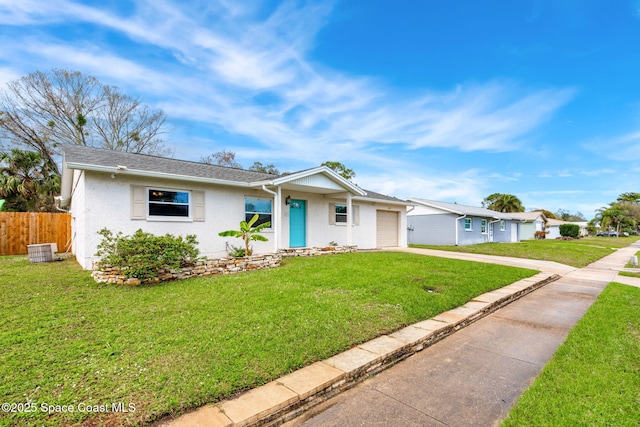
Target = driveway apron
(475,376)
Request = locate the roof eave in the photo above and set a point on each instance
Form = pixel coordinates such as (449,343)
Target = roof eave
(150,174)
(383,201)
(419,202)
(349,186)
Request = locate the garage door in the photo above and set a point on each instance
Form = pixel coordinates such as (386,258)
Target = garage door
(386,229)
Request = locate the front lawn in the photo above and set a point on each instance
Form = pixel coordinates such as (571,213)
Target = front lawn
(594,377)
(69,343)
(577,253)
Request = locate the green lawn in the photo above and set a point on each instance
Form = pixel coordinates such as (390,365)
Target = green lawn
(577,253)
(65,340)
(594,377)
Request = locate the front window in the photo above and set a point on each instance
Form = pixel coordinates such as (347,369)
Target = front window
(483,226)
(341,214)
(503,226)
(262,207)
(168,203)
(467,224)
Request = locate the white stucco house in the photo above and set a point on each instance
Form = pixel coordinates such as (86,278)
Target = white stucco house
(433,222)
(532,222)
(125,192)
(553,228)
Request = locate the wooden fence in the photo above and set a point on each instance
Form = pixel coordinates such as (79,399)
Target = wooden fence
(19,229)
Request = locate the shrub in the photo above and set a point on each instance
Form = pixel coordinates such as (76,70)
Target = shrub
(570,230)
(236,252)
(540,235)
(143,254)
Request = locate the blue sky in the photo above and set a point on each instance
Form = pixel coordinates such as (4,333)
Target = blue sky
(447,100)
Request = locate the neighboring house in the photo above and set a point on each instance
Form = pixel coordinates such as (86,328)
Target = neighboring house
(125,192)
(553,228)
(440,223)
(532,223)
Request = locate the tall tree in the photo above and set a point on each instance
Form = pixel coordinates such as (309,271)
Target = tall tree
(341,170)
(43,110)
(222,158)
(27,182)
(259,167)
(568,216)
(613,215)
(503,203)
(629,197)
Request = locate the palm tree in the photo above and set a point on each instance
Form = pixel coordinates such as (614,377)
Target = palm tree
(503,203)
(612,215)
(27,182)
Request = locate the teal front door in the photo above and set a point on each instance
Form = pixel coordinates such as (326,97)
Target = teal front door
(297,223)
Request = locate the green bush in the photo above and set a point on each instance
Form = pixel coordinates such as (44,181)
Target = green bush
(570,230)
(143,254)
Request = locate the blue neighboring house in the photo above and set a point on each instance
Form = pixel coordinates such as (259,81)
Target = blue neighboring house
(440,223)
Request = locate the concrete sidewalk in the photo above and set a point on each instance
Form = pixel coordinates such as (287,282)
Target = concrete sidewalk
(473,377)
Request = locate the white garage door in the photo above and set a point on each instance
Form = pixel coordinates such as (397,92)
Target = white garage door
(386,229)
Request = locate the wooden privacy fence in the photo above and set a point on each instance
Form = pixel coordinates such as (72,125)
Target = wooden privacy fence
(19,229)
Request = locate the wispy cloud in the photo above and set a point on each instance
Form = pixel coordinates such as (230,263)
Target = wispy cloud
(251,72)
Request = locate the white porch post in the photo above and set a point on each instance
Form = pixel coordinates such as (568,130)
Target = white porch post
(275,220)
(349,220)
(278,218)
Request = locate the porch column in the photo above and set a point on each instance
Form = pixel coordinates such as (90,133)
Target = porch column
(349,220)
(278,218)
(275,219)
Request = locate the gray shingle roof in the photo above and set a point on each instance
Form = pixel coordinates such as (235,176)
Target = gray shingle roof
(91,156)
(464,209)
(143,162)
(378,196)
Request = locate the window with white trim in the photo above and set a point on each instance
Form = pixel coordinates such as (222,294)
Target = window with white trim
(167,204)
(503,225)
(483,226)
(341,214)
(162,203)
(468,224)
(338,214)
(260,206)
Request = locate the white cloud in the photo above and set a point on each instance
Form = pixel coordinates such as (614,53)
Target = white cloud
(226,53)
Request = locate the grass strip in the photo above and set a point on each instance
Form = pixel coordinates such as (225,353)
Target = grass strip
(577,253)
(66,340)
(594,377)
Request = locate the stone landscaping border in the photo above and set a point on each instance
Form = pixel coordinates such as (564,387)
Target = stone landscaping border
(112,275)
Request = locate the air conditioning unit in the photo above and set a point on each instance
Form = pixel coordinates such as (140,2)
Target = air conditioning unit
(41,253)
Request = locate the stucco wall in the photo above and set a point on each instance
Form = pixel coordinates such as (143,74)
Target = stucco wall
(105,202)
(100,201)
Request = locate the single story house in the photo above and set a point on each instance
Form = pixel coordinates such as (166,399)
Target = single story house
(532,222)
(440,223)
(553,228)
(124,192)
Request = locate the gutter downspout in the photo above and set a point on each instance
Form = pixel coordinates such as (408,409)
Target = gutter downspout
(276,215)
(457,219)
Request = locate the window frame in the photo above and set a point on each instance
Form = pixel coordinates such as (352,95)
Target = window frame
(341,214)
(470,227)
(249,214)
(503,225)
(483,226)
(175,218)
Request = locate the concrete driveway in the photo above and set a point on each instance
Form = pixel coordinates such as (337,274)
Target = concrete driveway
(475,376)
